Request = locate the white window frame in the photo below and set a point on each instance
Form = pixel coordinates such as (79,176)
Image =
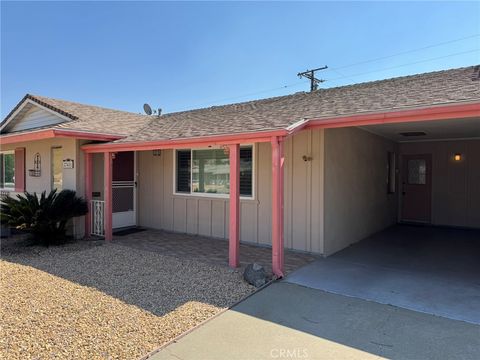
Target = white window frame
(212,195)
(12,152)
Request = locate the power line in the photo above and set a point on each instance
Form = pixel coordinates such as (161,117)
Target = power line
(403,65)
(351,65)
(406,52)
(250,94)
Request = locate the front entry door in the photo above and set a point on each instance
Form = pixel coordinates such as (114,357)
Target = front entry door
(123,190)
(417,188)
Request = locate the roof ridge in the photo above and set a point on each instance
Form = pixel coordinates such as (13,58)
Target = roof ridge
(46,98)
(404,77)
(275,98)
(243,103)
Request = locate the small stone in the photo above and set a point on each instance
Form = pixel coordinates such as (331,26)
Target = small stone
(255,275)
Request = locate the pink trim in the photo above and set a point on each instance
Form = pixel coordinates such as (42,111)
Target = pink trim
(424,114)
(277,206)
(53,133)
(244,138)
(107,178)
(234,216)
(31,136)
(88,193)
(85,135)
(20,169)
(428,114)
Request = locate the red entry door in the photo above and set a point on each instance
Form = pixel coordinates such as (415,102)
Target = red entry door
(417,188)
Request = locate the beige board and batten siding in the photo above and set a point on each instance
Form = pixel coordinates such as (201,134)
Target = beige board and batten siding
(160,208)
(356,200)
(35,117)
(455,184)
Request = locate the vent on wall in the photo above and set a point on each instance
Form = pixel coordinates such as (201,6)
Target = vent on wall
(413,133)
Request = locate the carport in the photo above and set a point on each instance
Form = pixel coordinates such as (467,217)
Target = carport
(402,199)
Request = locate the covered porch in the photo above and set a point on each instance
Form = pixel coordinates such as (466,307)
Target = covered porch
(102,218)
(206,249)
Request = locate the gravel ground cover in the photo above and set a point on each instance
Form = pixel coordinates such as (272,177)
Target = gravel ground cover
(93,300)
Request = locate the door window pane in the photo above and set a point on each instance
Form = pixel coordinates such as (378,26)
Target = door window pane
(57,168)
(417,172)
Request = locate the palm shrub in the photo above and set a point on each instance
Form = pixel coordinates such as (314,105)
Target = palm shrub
(44,216)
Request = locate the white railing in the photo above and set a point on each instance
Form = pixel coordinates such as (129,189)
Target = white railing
(98,216)
(4,192)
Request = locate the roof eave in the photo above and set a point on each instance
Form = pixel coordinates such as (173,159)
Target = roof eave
(239,138)
(7,139)
(437,112)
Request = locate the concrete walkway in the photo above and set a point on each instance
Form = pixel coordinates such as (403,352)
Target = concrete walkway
(289,321)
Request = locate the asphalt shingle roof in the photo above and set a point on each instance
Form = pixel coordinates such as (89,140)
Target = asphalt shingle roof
(416,91)
(88,117)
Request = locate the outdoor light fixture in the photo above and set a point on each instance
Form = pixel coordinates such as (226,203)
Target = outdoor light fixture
(457,157)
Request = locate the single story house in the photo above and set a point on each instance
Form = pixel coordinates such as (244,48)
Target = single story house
(313,171)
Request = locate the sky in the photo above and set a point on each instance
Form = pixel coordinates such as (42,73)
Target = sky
(185,55)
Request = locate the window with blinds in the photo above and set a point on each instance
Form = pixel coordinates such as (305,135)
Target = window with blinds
(183,171)
(207,171)
(246,174)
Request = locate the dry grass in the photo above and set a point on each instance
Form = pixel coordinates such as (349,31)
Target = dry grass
(104,301)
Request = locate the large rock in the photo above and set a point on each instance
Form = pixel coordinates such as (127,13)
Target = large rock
(255,275)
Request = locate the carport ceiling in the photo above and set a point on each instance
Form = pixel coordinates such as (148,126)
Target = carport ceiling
(433,130)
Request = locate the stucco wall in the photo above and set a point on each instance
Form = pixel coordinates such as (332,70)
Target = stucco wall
(455,185)
(159,208)
(44,182)
(356,200)
(72,178)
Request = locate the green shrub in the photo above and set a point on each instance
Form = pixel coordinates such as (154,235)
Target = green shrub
(44,217)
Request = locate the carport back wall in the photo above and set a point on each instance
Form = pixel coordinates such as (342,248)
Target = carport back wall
(356,200)
(455,184)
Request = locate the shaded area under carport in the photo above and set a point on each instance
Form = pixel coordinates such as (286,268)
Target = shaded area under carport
(433,270)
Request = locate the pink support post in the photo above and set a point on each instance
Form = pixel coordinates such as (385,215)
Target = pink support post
(107,179)
(277,206)
(234,221)
(88,192)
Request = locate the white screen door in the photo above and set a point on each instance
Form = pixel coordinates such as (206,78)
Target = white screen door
(123,190)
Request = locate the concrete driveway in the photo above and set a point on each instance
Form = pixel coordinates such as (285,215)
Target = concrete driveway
(289,321)
(428,269)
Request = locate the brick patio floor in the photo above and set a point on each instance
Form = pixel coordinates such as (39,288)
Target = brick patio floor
(207,249)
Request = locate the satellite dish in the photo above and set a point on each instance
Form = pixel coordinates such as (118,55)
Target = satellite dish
(147,109)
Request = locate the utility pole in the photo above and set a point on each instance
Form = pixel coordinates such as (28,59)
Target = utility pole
(310,74)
